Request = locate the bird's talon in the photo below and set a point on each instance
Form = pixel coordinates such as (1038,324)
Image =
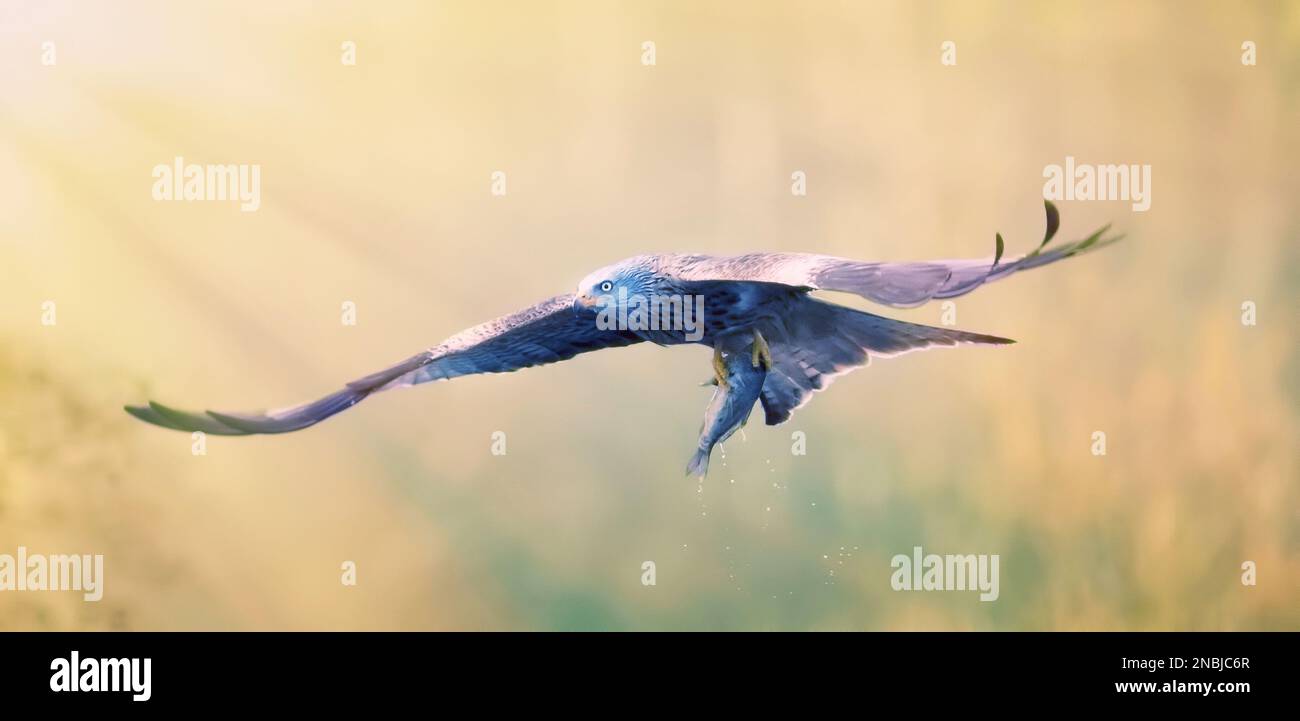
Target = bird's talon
(719,368)
(762,351)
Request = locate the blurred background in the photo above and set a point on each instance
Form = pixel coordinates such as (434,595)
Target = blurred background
(375,189)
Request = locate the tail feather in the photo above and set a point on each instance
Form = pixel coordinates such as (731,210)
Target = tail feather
(888,337)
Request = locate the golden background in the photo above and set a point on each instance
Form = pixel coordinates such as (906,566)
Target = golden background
(375,189)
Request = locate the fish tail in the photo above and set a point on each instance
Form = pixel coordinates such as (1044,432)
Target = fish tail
(699,463)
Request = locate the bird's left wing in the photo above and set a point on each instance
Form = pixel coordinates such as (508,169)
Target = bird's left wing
(901,285)
(548,332)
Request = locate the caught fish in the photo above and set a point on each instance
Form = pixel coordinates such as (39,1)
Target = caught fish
(732,402)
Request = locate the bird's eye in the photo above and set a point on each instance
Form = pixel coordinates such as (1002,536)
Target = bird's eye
(606,287)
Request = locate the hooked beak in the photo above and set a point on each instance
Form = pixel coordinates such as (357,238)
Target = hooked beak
(582,302)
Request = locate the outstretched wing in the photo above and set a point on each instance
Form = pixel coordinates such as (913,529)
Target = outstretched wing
(902,285)
(548,332)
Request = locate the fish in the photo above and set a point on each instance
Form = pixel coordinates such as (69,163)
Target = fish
(730,406)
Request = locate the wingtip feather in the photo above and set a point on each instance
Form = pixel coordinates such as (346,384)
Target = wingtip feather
(165,417)
(247,424)
(1053,221)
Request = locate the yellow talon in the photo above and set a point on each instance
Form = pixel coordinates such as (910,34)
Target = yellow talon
(719,368)
(761,351)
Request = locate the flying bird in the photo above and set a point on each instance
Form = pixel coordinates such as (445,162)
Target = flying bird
(773,343)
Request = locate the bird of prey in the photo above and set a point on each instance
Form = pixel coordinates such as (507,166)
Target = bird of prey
(754,308)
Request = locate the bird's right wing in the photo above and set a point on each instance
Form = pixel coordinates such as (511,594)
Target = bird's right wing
(901,285)
(548,332)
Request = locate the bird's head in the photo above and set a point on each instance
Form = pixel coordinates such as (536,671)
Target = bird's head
(615,284)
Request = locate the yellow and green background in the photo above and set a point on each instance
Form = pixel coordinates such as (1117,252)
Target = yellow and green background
(375,190)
